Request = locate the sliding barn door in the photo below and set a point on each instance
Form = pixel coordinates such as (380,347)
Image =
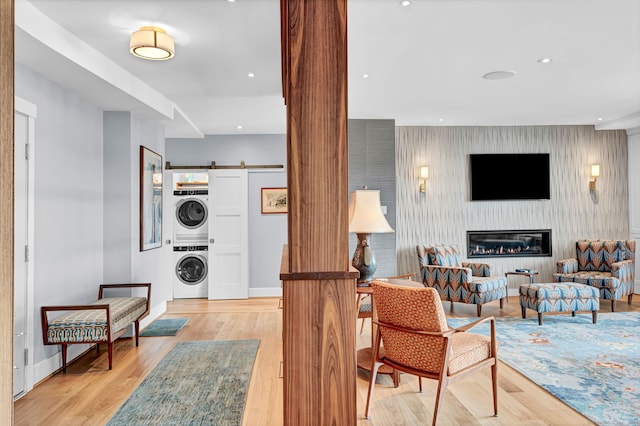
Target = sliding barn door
(228,239)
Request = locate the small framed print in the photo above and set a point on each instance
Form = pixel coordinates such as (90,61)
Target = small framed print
(274,200)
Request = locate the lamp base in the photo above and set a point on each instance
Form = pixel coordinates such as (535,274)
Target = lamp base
(364,260)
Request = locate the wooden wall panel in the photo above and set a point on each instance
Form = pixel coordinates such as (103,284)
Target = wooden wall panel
(6,210)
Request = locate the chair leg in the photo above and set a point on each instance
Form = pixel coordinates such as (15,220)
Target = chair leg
(613,305)
(442,386)
(372,382)
(524,312)
(362,326)
(594,316)
(630,298)
(494,382)
(479,309)
(420,383)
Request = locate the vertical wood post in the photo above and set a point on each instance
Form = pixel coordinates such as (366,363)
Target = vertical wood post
(319,314)
(6,210)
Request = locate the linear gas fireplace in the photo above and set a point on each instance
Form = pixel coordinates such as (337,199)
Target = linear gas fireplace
(525,243)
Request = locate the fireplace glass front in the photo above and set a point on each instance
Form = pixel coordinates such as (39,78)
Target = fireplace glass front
(518,243)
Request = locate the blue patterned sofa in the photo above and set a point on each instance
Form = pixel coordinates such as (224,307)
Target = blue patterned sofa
(443,269)
(608,265)
(103,320)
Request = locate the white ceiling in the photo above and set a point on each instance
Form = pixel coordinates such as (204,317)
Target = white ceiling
(425,62)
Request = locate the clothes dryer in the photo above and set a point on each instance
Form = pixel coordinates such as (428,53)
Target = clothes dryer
(191,217)
(191,273)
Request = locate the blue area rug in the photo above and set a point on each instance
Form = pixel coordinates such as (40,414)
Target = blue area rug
(196,383)
(593,368)
(164,327)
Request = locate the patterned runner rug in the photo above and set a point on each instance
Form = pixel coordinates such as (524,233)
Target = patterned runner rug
(593,368)
(164,327)
(196,383)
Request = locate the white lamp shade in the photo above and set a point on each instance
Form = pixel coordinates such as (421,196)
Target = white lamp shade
(365,213)
(595,170)
(424,172)
(152,43)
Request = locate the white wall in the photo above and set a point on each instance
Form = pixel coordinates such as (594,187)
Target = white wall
(68,163)
(634,196)
(267,233)
(444,213)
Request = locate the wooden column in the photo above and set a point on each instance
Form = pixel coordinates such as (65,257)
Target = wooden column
(6,211)
(318,285)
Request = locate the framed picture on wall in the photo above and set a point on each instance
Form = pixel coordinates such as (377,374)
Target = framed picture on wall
(150,199)
(274,200)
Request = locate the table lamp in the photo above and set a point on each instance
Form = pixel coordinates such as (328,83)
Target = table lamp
(366,218)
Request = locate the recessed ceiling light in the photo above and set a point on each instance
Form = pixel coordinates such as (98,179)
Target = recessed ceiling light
(251,75)
(239,127)
(365,75)
(600,118)
(441,120)
(545,60)
(499,75)
(405,3)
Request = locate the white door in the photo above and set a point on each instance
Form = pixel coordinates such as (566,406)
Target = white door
(228,234)
(23,247)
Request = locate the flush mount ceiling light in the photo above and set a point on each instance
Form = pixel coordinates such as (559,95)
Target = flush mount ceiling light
(499,75)
(152,43)
(545,60)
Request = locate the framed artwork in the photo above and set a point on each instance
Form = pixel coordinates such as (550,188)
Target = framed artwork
(150,199)
(274,200)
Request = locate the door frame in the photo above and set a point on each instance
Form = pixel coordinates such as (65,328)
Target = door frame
(30,111)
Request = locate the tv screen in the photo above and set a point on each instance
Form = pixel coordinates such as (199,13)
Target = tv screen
(509,177)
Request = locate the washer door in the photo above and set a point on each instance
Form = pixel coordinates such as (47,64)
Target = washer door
(191,269)
(191,213)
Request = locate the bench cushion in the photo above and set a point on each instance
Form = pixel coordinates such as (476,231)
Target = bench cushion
(91,325)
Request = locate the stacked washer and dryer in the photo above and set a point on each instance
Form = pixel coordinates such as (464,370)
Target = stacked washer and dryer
(191,243)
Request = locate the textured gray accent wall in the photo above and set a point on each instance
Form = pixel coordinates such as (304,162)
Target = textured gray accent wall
(372,163)
(445,212)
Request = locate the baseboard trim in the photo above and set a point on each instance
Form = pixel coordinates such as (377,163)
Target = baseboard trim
(265,292)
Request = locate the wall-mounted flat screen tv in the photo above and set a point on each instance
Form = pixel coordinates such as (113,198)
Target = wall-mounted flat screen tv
(509,177)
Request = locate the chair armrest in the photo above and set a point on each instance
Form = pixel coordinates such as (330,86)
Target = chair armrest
(492,320)
(478,269)
(567,266)
(624,270)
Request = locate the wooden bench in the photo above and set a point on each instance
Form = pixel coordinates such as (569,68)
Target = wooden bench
(103,320)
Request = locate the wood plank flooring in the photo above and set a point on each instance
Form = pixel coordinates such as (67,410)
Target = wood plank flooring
(89,394)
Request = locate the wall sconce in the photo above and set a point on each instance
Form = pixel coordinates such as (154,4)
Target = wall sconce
(595,172)
(424,174)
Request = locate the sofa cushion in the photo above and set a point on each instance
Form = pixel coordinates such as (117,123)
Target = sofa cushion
(91,325)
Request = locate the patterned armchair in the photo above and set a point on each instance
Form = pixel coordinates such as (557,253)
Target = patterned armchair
(608,265)
(443,269)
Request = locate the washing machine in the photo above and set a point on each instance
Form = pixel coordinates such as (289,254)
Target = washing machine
(191,273)
(191,217)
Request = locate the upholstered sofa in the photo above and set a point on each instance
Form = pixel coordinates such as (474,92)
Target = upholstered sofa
(442,268)
(608,265)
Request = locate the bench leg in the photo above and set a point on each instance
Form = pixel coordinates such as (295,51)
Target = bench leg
(110,345)
(539,318)
(524,312)
(137,328)
(573,313)
(594,316)
(64,358)
(630,298)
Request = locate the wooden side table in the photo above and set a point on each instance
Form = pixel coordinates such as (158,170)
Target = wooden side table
(529,274)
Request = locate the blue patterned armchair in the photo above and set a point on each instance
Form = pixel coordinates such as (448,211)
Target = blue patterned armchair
(456,281)
(608,265)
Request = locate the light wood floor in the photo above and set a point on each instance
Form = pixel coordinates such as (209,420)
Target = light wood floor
(89,394)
